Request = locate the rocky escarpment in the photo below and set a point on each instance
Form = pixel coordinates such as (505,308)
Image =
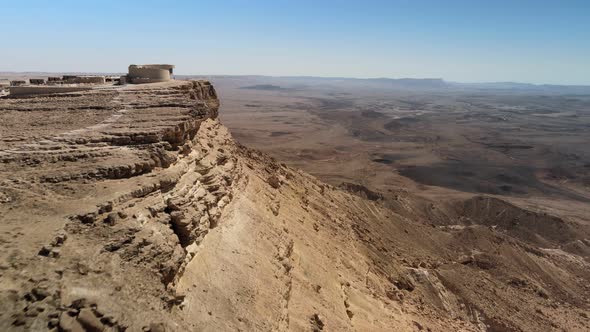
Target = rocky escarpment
(135,182)
(133,209)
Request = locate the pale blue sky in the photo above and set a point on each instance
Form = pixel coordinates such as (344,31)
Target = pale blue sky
(538,41)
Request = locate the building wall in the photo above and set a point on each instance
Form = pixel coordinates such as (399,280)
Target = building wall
(143,74)
(147,72)
(160,66)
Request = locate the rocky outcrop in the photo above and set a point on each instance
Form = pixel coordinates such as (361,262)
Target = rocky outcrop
(156,184)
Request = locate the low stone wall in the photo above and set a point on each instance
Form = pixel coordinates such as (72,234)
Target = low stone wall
(88,79)
(44,90)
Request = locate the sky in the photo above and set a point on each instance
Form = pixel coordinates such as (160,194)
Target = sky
(540,41)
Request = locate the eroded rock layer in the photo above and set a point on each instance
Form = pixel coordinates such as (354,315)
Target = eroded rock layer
(133,209)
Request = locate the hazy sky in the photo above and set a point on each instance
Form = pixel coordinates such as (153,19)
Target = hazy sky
(538,41)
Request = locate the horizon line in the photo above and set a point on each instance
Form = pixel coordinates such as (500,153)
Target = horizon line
(311,76)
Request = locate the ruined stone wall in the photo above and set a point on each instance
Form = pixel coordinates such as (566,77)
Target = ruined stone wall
(88,79)
(37,81)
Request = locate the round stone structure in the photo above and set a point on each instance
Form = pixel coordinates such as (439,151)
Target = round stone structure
(152,73)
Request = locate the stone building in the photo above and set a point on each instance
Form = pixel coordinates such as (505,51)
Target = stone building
(152,73)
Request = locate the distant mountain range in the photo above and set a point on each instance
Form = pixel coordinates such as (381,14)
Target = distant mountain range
(524,87)
(278,83)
